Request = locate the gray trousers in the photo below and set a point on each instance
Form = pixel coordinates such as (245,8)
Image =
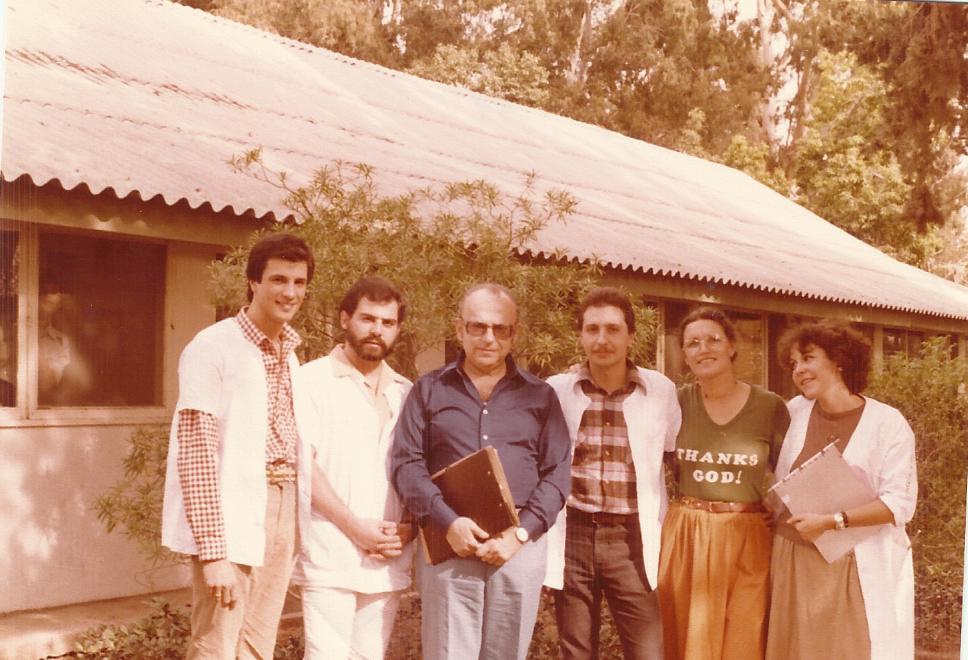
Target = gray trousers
(475,610)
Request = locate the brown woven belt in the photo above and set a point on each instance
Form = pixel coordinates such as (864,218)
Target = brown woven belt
(721,507)
(280,473)
(601,517)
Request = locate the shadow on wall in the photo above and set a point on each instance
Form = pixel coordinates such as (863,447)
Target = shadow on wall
(53,549)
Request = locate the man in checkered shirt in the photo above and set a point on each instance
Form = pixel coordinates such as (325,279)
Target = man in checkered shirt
(621,419)
(237,472)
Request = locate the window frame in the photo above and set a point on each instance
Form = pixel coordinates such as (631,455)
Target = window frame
(26,411)
(668,336)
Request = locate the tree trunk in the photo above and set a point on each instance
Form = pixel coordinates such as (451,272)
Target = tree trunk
(764,16)
(578,65)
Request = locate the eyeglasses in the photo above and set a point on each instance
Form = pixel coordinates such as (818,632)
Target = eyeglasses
(477,329)
(713,342)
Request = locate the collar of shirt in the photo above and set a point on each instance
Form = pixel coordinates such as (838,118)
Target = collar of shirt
(342,368)
(634,378)
(511,368)
(290,338)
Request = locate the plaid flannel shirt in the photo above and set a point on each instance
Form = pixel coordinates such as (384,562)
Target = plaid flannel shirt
(602,472)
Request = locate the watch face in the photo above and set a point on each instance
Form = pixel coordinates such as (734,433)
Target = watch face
(521,534)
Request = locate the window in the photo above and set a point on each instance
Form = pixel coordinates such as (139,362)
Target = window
(952,342)
(99,321)
(750,344)
(904,342)
(914,341)
(780,378)
(750,347)
(9,306)
(894,342)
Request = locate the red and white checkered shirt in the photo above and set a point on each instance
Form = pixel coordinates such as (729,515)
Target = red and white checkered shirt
(602,472)
(198,441)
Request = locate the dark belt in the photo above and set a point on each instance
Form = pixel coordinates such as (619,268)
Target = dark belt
(602,517)
(280,473)
(721,507)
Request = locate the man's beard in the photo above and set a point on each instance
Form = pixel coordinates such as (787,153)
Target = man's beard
(371,352)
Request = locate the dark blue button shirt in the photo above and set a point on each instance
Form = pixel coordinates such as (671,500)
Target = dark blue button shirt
(444,419)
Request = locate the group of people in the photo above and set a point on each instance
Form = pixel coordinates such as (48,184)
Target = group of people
(324,473)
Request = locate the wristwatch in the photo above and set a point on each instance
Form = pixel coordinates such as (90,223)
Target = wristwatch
(840,520)
(521,534)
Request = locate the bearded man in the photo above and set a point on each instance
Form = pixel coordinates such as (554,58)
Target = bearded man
(355,561)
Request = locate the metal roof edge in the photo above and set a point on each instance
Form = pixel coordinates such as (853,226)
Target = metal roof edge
(698,277)
(82,186)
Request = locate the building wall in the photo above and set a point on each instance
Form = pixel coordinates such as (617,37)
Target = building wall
(55,461)
(54,550)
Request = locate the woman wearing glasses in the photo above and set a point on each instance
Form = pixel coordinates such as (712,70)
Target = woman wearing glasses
(861,605)
(714,565)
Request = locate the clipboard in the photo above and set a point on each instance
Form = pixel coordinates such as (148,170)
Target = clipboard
(476,487)
(824,484)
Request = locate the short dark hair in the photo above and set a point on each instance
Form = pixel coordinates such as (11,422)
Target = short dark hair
(375,289)
(846,347)
(707,313)
(279,245)
(607,296)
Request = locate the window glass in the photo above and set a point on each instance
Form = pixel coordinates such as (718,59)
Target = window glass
(750,345)
(914,341)
(99,321)
(894,342)
(866,330)
(9,288)
(952,342)
(674,367)
(780,377)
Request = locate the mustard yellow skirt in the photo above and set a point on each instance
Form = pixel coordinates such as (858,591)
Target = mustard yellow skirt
(714,585)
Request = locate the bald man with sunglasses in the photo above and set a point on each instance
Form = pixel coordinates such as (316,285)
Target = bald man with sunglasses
(483,603)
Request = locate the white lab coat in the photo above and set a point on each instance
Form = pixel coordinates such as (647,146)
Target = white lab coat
(653,419)
(882,446)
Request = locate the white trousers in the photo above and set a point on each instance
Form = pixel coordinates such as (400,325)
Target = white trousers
(341,624)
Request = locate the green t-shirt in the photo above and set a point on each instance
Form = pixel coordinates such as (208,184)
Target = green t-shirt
(729,462)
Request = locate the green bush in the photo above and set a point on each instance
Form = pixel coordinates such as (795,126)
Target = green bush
(161,635)
(133,504)
(930,391)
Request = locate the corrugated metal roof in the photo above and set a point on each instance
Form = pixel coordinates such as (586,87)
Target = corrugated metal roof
(148,98)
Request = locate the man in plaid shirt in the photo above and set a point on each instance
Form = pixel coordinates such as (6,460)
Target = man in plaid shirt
(237,475)
(621,419)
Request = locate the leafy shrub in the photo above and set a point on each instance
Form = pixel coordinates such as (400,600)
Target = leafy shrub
(930,391)
(161,635)
(133,504)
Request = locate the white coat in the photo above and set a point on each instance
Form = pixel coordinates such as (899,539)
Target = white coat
(883,447)
(653,419)
(220,372)
(340,422)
